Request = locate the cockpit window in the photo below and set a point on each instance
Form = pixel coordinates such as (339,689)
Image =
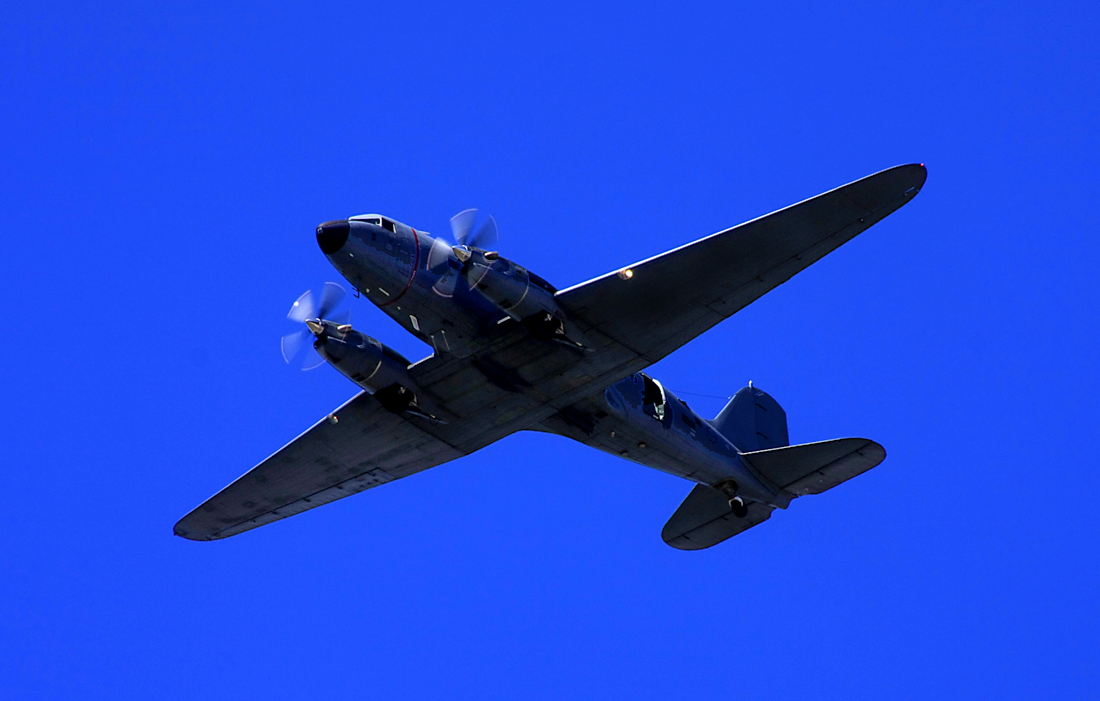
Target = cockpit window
(377,220)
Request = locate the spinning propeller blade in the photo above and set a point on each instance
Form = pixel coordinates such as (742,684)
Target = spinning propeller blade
(331,295)
(292,344)
(438,256)
(462,226)
(313,308)
(485,235)
(302,309)
(466,236)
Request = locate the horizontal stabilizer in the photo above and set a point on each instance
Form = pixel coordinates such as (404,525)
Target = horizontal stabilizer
(812,468)
(705,519)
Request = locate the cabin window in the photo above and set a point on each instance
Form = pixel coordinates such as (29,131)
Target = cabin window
(653,399)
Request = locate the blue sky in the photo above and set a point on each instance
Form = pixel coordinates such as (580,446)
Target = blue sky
(166,166)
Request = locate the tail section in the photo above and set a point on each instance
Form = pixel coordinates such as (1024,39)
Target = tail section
(705,517)
(753,421)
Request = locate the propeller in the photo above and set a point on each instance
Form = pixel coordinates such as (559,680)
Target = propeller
(462,226)
(467,238)
(311,309)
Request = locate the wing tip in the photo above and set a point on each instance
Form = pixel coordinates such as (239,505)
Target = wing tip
(873,450)
(677,539)
(916,175)
(182,530)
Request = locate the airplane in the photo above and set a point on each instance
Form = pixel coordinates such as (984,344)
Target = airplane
(513,353)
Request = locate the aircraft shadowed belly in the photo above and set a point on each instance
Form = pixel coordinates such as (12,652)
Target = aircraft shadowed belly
(510,353)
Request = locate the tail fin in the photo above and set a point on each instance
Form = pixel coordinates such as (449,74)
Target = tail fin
(753,421)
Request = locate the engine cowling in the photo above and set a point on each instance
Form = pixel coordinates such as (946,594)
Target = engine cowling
(373,366)
(511,288)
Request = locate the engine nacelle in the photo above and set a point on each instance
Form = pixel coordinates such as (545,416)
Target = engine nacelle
(376,368)
(525,298)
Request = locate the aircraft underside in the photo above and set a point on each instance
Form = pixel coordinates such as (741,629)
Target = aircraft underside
(511,352)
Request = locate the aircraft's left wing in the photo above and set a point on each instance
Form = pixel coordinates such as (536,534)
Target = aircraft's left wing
(665,301)
(368,446)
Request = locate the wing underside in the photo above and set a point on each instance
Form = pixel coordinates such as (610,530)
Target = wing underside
(630,324)
(368,446)
(670,299)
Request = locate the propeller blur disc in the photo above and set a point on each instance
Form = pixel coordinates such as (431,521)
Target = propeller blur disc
(462,226)
(331,295)
(316,361)
(292,344)
(302,309)
(485,236)
(445,285)
(311,309)
(439,256)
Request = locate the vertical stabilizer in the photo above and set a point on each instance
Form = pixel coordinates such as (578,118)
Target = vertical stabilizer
(753,421)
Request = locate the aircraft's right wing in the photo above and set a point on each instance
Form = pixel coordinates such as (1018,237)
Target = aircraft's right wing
(368,446)
(670,299)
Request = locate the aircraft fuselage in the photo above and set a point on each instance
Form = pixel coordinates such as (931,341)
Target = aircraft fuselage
(453,305)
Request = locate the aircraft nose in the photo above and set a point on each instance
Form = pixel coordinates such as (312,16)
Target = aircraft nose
(332,234)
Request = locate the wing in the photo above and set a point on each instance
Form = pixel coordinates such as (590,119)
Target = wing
(368,446)
(630,324)
(672,298)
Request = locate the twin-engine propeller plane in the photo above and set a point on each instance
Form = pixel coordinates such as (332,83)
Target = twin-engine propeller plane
(513,353)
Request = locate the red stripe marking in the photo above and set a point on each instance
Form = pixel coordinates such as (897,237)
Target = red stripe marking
(416,264)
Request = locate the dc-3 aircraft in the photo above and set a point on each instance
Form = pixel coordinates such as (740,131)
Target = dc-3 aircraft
(513,353)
